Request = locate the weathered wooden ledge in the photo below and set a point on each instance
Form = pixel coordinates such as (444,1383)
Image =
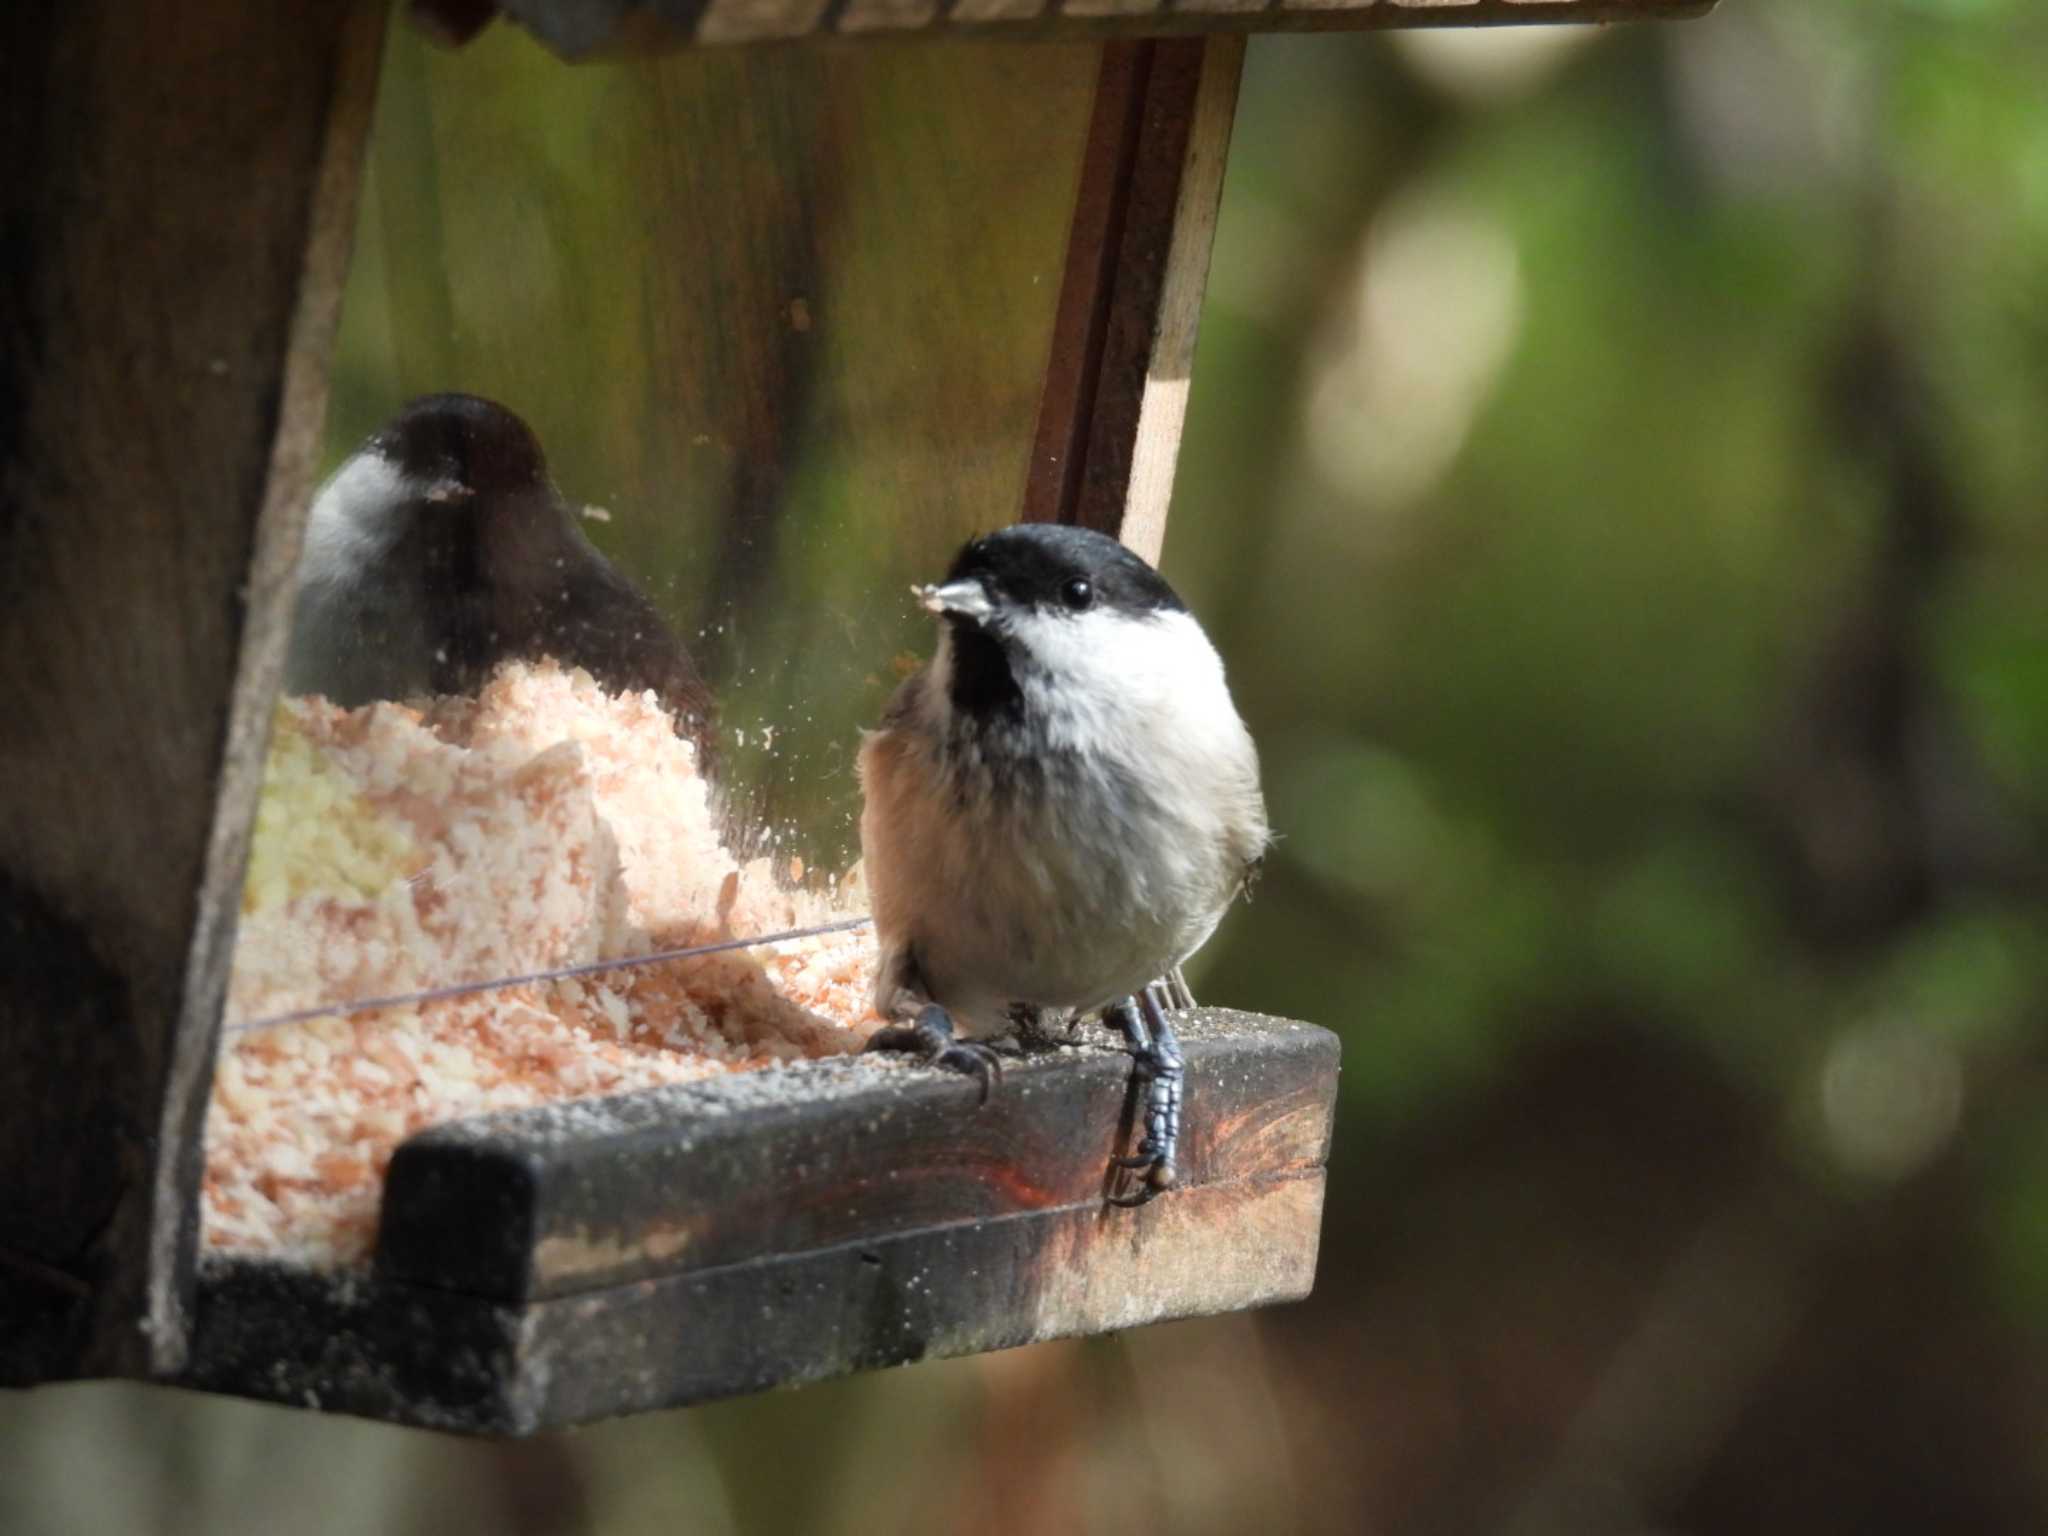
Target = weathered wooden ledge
(577,1261)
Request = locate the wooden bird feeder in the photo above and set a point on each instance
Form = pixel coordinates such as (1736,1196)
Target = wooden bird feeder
(188,186)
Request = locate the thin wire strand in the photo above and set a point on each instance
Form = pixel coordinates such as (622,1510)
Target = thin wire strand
(561,973)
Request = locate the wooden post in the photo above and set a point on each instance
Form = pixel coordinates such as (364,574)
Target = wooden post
(1124,335)
(174,230)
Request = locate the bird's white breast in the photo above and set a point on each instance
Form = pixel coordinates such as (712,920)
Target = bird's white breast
(1068,862)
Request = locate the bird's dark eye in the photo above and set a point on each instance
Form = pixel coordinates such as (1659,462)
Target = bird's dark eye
(1078,594)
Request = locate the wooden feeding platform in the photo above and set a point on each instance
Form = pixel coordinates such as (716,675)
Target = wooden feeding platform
(608,1256)
(183,212)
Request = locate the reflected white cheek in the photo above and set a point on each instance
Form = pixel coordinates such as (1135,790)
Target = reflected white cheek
(356,516)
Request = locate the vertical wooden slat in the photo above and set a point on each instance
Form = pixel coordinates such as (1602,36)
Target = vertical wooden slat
(174,228)
(1124,340)
(1059,448)
(1177,312)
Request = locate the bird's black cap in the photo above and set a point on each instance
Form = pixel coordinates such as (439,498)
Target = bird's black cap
(1033,563)
(465,439)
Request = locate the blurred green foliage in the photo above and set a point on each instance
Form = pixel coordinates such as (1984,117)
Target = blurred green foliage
(1521,755)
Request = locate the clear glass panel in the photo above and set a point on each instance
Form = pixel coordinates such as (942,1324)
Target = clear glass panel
(778,322)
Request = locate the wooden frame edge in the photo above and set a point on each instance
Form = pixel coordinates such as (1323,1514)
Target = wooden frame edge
(178,261)
(270,593)
(590,29)
(1130,302)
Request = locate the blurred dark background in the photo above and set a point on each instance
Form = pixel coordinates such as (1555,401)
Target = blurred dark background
(1615,477)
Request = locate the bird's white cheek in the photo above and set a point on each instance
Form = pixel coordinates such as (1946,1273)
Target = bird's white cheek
(1111,673)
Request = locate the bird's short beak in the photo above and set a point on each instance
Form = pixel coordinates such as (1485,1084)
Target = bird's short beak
(449,489)
(966,598)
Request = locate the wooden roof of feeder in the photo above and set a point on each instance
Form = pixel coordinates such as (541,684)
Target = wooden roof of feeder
(583,28)
(181,224)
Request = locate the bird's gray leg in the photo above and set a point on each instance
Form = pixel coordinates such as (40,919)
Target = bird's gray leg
(1178,990)
(1156,1053)
(929,1035)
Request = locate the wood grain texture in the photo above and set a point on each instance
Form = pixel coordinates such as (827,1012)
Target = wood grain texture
(1137,437)
(1059,448)
(415,1355)
(581,28)
(558,1265)
(566,1198)
(1130,301)
(173,235)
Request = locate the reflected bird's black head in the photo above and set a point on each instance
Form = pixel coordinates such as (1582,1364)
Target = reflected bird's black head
(462,445)
(440,549)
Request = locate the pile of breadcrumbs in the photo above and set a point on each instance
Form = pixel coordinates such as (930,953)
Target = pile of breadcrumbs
(543,824)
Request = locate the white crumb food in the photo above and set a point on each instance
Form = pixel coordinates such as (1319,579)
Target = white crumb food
(542,824)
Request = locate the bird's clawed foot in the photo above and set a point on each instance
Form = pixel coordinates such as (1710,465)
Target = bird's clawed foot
(1156,1055)
(930,1037)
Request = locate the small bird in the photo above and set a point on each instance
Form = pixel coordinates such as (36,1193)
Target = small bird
(440,548)
(1059,807)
